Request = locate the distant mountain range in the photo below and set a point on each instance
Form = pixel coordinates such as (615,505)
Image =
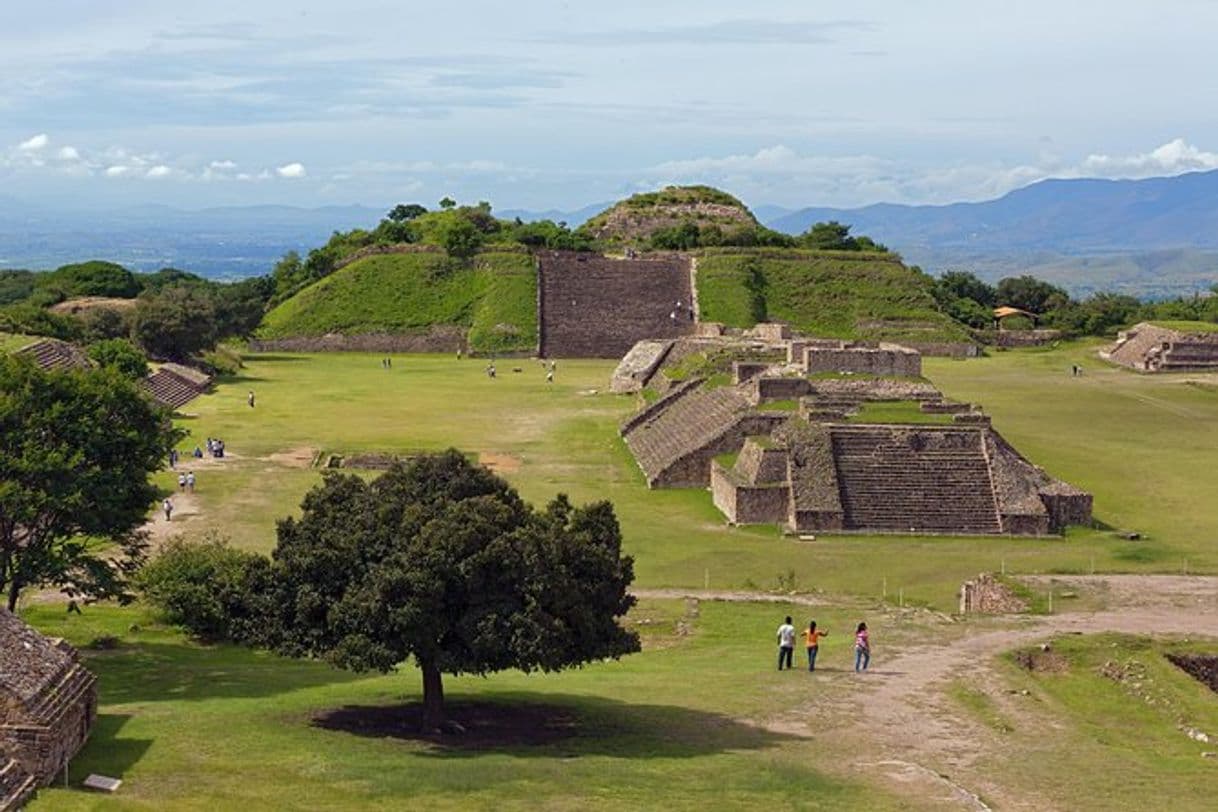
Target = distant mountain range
(1155,237)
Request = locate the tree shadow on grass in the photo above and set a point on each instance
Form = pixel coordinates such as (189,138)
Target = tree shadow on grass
(106,752)
(152,672)
(558,725)
(273,357)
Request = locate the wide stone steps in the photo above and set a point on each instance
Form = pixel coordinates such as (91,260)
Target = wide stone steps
(932,482)
(595,307)
(170,390)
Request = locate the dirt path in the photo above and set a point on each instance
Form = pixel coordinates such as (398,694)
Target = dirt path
(185,507)
(911,732)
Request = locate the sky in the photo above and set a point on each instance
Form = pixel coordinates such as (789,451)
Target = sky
(556,105)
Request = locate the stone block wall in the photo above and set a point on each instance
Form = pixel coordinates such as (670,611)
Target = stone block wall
(748,504)
(986,594)
(767,388)
(887,362)
(747,370)
(1066,507)
(772,331)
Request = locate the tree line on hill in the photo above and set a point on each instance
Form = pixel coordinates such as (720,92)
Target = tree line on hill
(180,316)
(971,301)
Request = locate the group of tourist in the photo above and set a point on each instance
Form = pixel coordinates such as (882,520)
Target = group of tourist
(215,447)
(386,363)
(812,636)
(186,481)
(550,368)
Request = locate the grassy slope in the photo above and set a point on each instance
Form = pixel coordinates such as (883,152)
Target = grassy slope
(1188,326)
(14,341)
(835,294)
(411,292)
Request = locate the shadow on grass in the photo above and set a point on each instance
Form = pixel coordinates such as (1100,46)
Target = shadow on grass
(558,725)
(272,357)
(160,672)
(106,752)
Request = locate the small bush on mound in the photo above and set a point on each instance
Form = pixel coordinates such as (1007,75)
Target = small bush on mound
(201,586)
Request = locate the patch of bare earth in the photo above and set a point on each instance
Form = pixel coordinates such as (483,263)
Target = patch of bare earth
(299,457)
(500,463)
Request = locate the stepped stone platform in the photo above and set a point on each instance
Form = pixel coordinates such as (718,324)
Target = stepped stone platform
(1148,347)
(175,385)
(592,306)
(51,353)
(810,469)
(48,702)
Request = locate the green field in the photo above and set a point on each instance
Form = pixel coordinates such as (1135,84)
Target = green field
(494,295)
(698,719)
(1188,326)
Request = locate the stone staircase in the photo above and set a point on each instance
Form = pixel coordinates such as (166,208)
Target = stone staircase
(16,785)
(927,480)
(171,388)
(51,353)
(590,306)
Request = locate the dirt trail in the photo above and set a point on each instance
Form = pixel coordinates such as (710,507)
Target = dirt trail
(912,733)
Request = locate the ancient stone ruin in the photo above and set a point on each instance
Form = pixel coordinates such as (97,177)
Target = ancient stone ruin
(985,594)
(1148,347)
(48,702)
(51,353)
(781,440)
(175,385)
(593,306)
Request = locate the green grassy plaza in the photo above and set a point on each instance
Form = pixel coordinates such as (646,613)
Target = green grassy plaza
(699,718)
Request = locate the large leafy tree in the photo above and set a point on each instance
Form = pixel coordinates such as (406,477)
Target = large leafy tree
(77,453)
(176,323)
(440,560)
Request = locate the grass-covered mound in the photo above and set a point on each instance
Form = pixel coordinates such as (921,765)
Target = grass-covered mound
(838,294)
(635,220)
(493,296)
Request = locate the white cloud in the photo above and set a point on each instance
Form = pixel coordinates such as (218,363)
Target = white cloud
(35,143)
(116,171)
(1173,158)
(68,154)
(292,170)
(158,171)
(222,166)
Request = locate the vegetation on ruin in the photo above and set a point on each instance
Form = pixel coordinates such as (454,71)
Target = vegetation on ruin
(493,295)
(897,411)
(1187,326)
(832,294)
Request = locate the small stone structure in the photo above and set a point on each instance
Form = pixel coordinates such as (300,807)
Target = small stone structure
(800,462)
(593,306)
(48,702)
(51,353)
(1148,347)
(986,594)
(885,360)
(175,385)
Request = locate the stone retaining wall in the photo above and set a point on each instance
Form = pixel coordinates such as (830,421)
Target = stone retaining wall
(439,339)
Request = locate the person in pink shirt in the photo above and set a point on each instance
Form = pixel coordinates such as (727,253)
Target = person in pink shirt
(862,648)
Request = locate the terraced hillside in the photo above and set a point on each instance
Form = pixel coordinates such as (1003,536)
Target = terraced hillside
(836,294)
(491,301)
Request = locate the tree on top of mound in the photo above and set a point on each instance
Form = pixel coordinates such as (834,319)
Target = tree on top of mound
(440,560)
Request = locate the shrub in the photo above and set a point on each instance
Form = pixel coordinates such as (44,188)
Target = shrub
(202,586)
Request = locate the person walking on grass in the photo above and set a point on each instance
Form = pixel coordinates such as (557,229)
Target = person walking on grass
(812,638)
(862,648)
(167,506)
(181,482)
(190,481)
(250,398)
(786,643)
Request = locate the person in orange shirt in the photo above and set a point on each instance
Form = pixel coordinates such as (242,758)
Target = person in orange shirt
(812,638)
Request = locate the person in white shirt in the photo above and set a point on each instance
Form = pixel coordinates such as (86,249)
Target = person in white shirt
(786,643)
